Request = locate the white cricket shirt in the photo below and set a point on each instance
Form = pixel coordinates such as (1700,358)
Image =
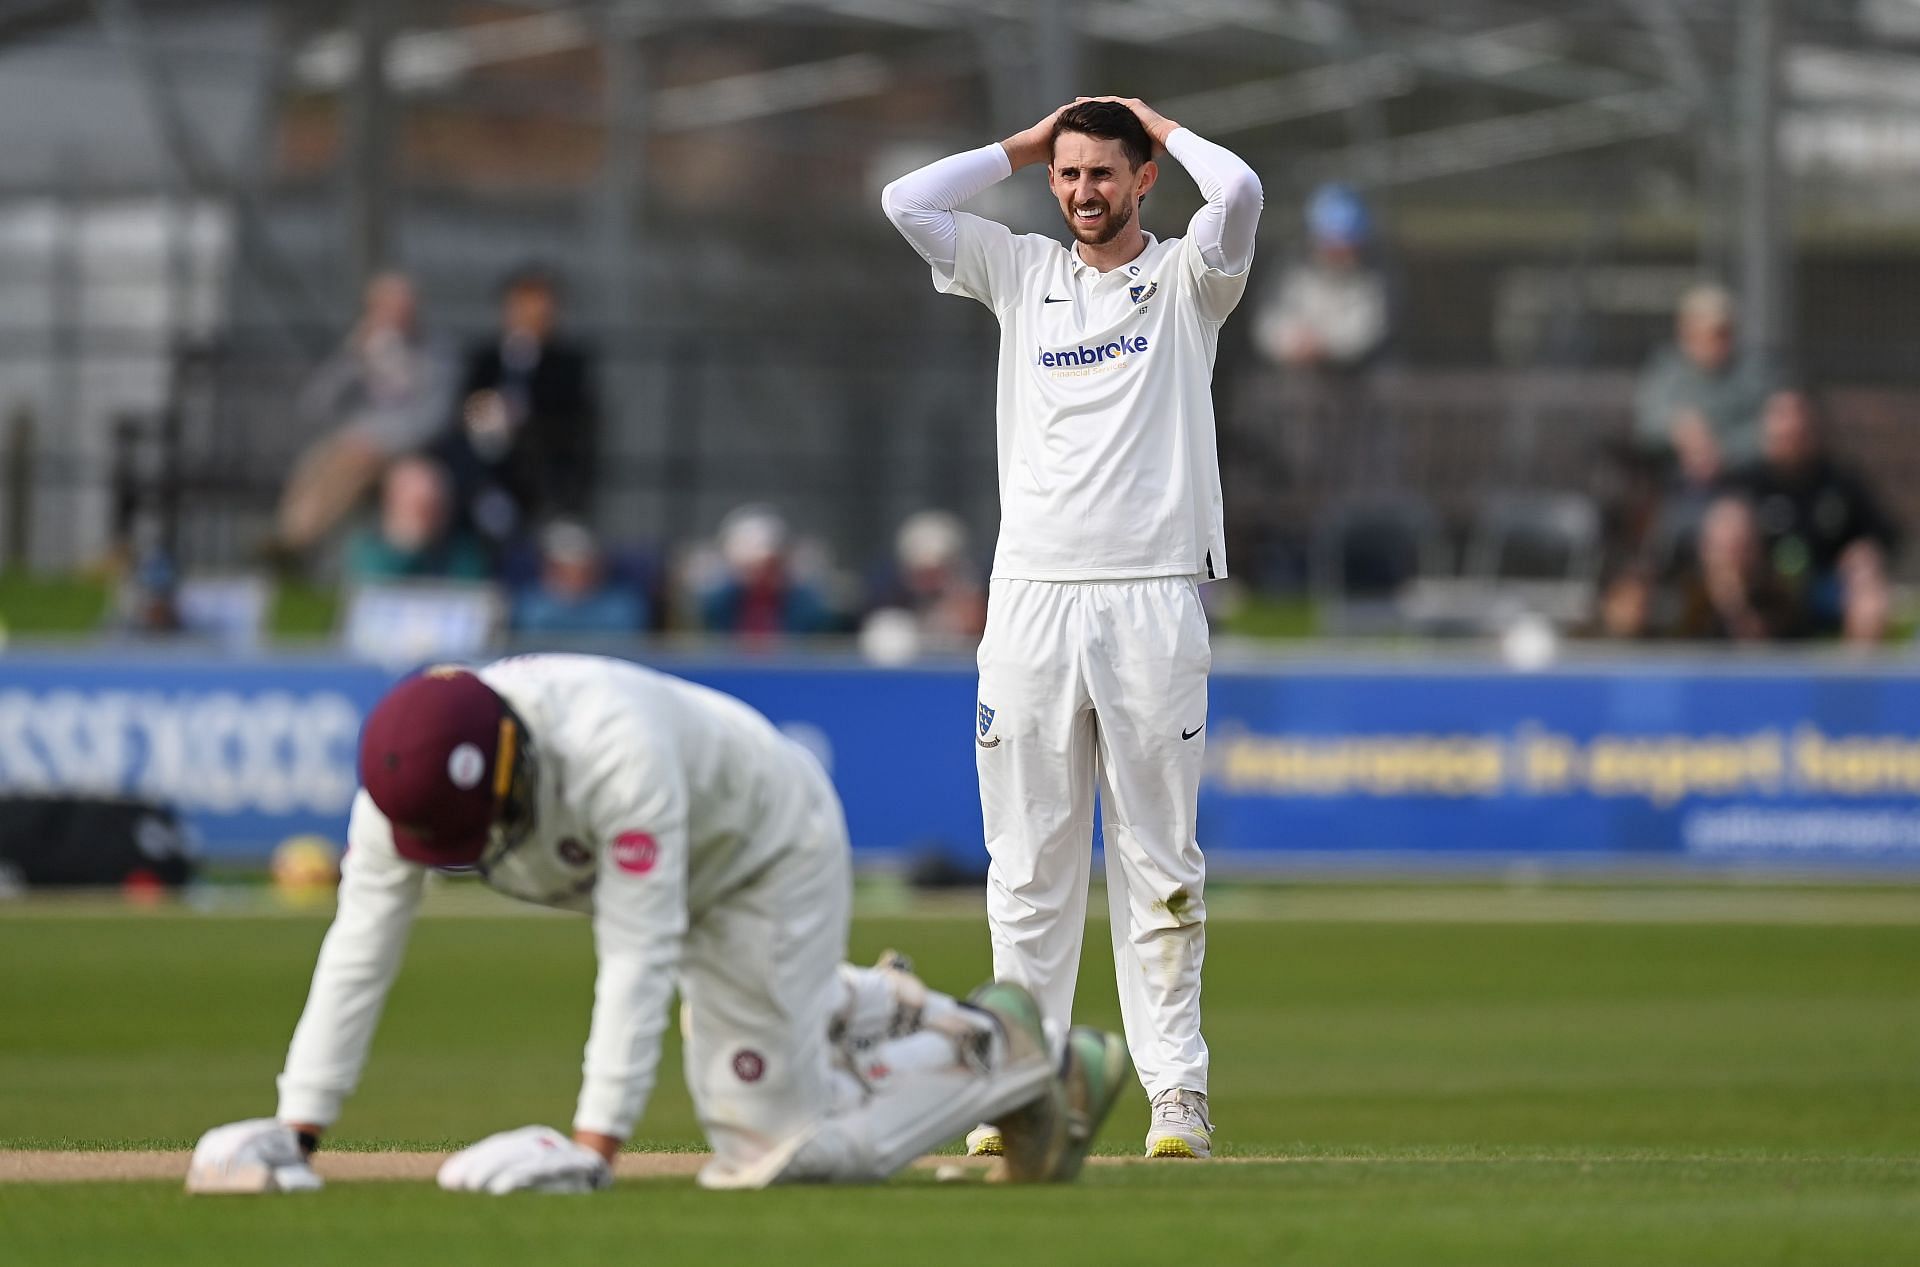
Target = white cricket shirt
(1107,455)
(657,800)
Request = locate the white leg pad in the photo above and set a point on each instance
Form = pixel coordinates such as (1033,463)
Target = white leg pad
(920,1097)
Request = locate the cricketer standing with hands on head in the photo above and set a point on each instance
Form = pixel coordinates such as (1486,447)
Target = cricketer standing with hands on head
(1093,668)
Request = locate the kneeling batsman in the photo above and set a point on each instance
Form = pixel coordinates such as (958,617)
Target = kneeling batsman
(710,853)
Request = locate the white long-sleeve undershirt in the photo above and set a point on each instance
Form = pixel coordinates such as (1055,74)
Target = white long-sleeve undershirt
(1224,228)
(921,203)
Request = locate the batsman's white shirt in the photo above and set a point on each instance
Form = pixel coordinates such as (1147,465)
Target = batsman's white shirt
(707,847)
(1109,468)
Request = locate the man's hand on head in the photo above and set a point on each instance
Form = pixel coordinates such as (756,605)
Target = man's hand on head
(1158,125)
(1034,144)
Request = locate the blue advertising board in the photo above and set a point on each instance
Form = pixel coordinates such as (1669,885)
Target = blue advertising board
(250,751)
(1634,761)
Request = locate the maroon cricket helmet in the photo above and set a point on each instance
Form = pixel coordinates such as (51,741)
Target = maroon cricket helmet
(438,758)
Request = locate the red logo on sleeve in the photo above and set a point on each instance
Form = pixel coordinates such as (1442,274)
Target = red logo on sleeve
(635,852)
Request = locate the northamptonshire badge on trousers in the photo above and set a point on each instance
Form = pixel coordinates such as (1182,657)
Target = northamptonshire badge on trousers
(986,724)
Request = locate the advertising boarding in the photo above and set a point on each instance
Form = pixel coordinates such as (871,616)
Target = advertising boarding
(1304,763)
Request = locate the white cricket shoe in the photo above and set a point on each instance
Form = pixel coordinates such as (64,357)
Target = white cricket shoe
(984,1141)
(1180,1126)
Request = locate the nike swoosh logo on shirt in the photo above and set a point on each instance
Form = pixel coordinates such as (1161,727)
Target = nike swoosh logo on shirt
(1051,300)
(1188,734)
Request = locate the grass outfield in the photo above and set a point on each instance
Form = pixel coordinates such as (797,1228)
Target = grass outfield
(1736,1081)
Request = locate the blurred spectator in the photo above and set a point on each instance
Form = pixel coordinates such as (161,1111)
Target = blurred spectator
(388,388)
(524,444)
(1792,544)
(149,596)
(573,594)
(933,579)
(1821,529)
(1329,312)
(753,586)
(1627,602)
(1655,535)
(1735,595)
(1698,399)
(416,536)
(1687,486)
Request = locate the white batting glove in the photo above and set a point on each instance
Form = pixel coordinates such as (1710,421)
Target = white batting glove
(531,1159)
(258,1155)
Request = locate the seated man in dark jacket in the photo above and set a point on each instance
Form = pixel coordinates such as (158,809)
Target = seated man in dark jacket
(1822,530)
(523,447)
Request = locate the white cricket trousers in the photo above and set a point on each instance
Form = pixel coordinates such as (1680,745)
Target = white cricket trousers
(1101,685)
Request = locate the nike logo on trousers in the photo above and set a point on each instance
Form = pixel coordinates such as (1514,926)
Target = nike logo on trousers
(1188,734)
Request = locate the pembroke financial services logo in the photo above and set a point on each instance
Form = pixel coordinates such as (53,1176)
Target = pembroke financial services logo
(1096,354)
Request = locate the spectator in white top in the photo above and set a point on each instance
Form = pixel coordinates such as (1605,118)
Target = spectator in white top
(1329,313)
